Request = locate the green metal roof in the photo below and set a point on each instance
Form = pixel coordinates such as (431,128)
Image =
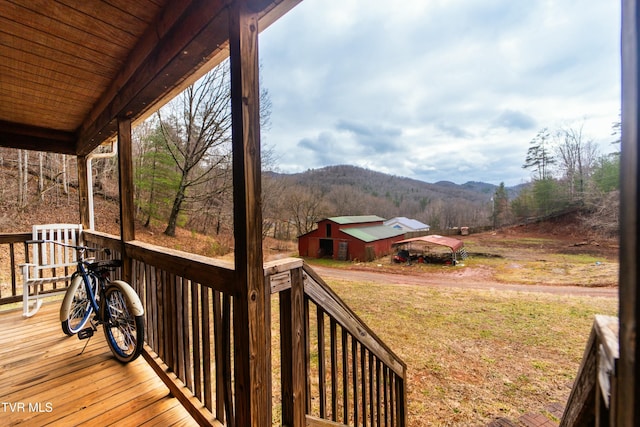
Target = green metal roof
(355,219)
(372,233)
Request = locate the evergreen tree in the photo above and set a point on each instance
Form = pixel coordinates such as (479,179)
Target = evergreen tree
(500,206)
(539,156)
(156,177)
(606,174)
(545,196)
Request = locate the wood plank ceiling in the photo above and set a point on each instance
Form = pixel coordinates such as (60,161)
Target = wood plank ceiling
(68,68)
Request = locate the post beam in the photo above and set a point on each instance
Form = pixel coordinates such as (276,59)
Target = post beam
(252,305)
(627,372)
(83,190)
(127,210)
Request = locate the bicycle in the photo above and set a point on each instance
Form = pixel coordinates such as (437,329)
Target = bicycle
(115,305)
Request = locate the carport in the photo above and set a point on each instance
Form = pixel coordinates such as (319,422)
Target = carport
(424,242)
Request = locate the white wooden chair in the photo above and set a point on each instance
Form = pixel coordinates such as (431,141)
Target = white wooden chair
(49,264)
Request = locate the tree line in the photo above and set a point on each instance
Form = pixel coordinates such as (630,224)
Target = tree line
(345,190)
(568,172)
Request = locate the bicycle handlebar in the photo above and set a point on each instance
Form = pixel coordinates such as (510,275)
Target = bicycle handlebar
(107,251)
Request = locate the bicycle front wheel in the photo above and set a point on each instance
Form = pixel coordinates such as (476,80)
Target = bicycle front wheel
(76,306)
(123,329)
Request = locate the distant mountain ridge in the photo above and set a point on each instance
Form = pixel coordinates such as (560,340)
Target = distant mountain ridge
(352,190)
(374,182)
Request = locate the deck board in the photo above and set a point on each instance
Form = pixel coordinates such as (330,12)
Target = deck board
(46,378)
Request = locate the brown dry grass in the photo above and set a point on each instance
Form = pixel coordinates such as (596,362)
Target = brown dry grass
(472,355)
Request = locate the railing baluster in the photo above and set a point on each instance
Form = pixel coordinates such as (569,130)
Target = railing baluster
(226,368)
(345,376)
(206,345)
(307,339)
(400,410)
(321,363)
(371,393)
(354,374)
(195,334)
(286,356)
(219,354)
(170,315)
(160,293)
(385,391)
(12,256)
(186,337)
(152,306)
(392,408)
(293,372)
(378,400)
(363,383)
(334,369)
(180,328)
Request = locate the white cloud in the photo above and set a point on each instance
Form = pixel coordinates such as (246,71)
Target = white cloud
(439,90)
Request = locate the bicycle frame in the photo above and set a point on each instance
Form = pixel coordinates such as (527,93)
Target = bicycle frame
(86,276)
(93,278)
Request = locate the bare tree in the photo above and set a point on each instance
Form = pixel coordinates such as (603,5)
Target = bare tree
(603,217)
(272,206)
(577,156)
(196,130)
(347,200)
(304,206)
(197,134)
(41,174)
(65,176)
(23,178)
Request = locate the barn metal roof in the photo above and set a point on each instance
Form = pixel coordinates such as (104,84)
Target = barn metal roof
(357,219)
(372,233)
(435,239)
(406,223)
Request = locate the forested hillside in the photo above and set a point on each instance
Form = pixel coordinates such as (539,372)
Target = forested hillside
(173,192)
(292,202)
(350,190)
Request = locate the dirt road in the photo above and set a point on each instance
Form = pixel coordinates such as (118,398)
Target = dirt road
(461,279)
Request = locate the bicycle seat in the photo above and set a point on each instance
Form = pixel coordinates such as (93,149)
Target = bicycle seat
(102,264)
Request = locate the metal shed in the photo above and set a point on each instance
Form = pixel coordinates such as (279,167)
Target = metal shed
(456,246)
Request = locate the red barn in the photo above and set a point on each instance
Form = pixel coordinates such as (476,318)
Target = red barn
(349,238)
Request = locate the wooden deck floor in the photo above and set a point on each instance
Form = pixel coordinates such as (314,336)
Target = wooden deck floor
(45,380)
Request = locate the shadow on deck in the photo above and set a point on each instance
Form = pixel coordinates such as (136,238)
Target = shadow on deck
(44,379)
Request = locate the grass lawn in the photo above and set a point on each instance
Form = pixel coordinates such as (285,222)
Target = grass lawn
(472,355)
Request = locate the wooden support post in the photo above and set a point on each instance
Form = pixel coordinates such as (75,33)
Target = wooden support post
(127,212)
(292,341)
(83,191)
(252,332)
(628,381)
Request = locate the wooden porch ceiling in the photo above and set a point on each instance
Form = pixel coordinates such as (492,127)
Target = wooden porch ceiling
(69,68)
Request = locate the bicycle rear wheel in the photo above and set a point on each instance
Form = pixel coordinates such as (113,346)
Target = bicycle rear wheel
(123,329)
(76,306)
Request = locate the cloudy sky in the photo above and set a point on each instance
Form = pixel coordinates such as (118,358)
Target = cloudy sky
(438,89)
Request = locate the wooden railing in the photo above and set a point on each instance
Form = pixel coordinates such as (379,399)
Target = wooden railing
(333,369)
(593,399)
(188,303)
(13,246)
